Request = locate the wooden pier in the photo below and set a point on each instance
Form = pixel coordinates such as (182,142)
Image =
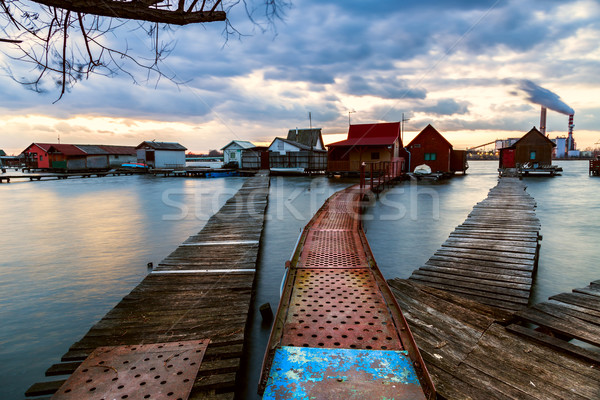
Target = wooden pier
(480,352)
(492,256)
(44,176)
(338,332)
(201,292)
(467,308)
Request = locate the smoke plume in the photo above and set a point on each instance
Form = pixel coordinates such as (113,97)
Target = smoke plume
(544,97)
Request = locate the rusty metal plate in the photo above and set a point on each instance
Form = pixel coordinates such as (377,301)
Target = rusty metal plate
(339,221)
(332,249)
(339,308)
(308,373)
(149,371)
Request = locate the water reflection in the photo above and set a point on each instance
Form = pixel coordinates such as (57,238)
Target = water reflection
(73,248)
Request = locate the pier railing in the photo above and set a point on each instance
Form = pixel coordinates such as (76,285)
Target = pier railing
(375,175)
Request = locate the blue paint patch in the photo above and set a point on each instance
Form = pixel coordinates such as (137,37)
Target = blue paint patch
(315,373)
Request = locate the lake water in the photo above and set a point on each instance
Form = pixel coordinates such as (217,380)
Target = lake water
(71,249)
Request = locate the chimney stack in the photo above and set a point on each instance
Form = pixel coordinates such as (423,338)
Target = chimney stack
(570,140)
(543,121)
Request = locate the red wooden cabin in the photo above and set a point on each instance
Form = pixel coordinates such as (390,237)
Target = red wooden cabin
(36,155)
(431,148)
(366,143)
(533,150)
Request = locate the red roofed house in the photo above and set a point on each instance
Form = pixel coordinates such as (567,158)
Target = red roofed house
(366,143)
(67,156)
(36,155)
(431,148)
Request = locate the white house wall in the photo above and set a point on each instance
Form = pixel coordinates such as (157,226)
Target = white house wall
(169,159)
(118,160)
(281,147)
(233,153)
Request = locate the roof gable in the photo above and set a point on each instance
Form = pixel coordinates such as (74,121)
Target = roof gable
(387,129)
(384,134)
(428,131)
(309,137)
(66,149)
(2,153)
(533,135)
(161,146)
(239,144)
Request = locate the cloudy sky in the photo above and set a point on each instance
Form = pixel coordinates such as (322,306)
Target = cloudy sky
(463,66)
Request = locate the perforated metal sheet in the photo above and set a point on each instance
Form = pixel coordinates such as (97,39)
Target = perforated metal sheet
(332,249)
(150,371)
(336,221)
(339,309)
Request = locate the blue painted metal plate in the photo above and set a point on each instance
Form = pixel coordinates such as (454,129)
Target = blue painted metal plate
(348,374)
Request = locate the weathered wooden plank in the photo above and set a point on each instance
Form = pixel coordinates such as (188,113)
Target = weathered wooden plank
(503,288)
(523,266)
(484,255)
(501,278)
(493,299)
(555,343)
(44,388)
(578,299)
(570,327)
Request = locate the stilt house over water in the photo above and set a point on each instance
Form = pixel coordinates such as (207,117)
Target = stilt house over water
(431,148)
(531,153)
(161,154)
(232,152)
(77,157)
(366,143)
(302,151)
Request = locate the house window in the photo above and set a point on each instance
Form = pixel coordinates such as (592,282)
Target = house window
(430,156)
(532,155)
(375,155)
(41,157)
(417,146)
(116,157)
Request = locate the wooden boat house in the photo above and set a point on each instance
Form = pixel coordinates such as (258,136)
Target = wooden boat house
(530,154)
(232,152)
(36,155)
(161,154)
(77,157)
(302,151)
(366,143)
(431,148)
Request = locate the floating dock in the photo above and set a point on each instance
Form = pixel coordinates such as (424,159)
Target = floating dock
(197,300)
(492,256)
(338,332)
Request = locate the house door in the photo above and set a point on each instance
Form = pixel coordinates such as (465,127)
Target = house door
(508,158)
(150,157)
(264,160)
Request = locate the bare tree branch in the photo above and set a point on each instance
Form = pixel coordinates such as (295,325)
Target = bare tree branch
(137,10)
(44,34)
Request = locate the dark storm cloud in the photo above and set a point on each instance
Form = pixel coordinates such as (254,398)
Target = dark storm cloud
(445,107)
(387,88)
(336,47)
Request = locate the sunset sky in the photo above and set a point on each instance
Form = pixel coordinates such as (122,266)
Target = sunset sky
(459,65)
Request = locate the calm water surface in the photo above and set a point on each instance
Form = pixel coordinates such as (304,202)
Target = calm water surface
(72,249)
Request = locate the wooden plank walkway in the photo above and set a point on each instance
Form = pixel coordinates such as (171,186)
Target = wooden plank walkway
(566,316)
(336,312)
(202,290)
(492,256)
(470,354)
